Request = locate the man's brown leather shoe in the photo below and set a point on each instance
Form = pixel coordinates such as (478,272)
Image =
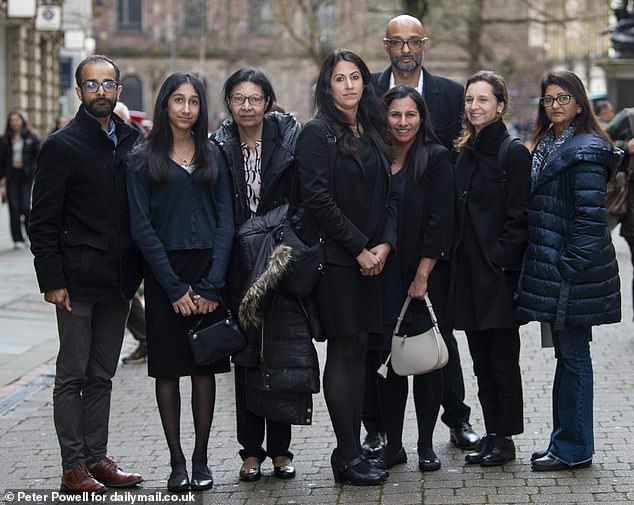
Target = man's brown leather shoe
(107,472)
(78,480)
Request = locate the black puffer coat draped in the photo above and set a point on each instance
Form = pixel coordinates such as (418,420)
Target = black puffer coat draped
(570,275)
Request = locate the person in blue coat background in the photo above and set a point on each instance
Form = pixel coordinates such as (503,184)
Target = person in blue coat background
(570,279)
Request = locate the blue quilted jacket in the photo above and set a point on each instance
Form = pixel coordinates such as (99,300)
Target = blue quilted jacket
(570,275)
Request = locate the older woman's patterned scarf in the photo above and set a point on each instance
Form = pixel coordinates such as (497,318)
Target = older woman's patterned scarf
(546,147)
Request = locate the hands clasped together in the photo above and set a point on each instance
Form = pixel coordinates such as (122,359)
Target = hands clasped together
(191,303)
(373,260)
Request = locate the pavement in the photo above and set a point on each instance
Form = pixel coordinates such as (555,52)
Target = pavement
(30,460)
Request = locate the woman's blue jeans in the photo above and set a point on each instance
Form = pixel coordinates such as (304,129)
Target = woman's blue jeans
(572,439)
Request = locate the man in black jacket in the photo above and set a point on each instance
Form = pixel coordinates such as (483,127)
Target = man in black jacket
(88,268)
(405,43)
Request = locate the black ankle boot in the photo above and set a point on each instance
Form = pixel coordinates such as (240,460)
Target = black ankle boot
(357,471)
(485,445)
(502,452)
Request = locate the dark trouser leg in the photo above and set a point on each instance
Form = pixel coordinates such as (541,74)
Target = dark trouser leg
(250,427)
(573,441)
(372,418)
(90,342)
(278,439)
(344,378)
(14,195)
(495,356)
(455,410)
(392,399)
(136,320)
(428,393)
(630,242)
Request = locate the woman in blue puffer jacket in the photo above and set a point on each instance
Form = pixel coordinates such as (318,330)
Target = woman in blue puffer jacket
(570,279)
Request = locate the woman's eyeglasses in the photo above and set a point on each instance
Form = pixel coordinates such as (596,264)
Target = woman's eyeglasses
(547,101)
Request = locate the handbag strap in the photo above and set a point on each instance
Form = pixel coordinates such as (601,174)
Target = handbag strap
(202,317)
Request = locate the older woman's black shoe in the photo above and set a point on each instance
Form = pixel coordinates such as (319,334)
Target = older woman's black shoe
(284,471)
(502,451)
(549,463)
(178,481)
(250,474)
(357,471)
(201,478)
(485,445)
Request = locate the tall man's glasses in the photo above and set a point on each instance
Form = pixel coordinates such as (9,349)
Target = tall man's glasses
(92,86)
(400,43)
(547,101)
(239,99)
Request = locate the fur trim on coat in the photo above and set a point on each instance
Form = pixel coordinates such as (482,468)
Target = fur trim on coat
(254,301)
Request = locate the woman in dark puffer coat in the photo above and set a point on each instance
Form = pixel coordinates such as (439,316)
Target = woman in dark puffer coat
(570,279)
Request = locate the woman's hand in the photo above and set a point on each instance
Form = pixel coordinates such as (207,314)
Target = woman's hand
(369,262)
(185,305)
(418,288)
(205,306)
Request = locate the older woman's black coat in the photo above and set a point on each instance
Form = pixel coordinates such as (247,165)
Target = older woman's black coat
(491,231)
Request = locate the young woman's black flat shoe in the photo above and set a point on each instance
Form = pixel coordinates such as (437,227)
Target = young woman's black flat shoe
(201,478)
(178,481)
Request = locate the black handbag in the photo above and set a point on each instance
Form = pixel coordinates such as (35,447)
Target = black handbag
(217,341)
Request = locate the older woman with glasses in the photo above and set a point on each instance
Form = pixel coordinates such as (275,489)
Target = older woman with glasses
(258,145)
(569,280)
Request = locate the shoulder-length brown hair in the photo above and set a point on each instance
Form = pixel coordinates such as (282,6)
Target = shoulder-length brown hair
(585,122)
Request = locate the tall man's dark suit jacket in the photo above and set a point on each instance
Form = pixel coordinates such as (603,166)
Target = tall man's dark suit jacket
(444,99)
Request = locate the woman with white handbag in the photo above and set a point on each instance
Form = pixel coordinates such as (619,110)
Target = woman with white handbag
(422,180)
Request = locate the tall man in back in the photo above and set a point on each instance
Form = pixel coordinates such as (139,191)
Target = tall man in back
(405,43)
(88,268)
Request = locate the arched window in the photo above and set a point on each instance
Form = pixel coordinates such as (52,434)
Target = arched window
(132,94)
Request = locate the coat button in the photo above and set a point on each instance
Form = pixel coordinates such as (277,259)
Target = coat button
(464,194)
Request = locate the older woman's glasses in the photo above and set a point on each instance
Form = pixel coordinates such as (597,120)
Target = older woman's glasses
(547,101)
(400,43)
(92,86)
(239,99)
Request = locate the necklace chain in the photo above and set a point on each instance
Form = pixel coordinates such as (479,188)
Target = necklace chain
(184,160)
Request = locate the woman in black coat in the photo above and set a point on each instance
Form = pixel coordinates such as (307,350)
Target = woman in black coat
(423,183)
(491,236)
(258,145)
(345,181)
(20,150)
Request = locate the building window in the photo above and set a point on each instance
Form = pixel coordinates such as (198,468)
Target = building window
(260,17)
(193,16)
(132,92)
(129,15)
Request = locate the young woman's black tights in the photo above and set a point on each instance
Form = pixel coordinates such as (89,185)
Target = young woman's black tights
(169,403)
(344,384)
(428,390)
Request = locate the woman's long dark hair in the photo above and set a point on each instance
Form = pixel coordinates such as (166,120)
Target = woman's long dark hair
(369,114)
(584,122)
(156,148)
(501,94)
(418,154)
(25,132)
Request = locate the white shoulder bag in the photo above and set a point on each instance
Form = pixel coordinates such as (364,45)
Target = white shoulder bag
(416,354)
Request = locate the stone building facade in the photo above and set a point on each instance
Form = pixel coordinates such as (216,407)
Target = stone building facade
(29,70)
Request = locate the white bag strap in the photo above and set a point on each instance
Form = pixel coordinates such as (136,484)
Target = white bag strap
(382,371)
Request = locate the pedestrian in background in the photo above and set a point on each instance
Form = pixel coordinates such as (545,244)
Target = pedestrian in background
(346,192)
(405,43)
(570,278)
(258,146)
(19,152)
(491,236)
(88,267)
(182,221)
(422,179)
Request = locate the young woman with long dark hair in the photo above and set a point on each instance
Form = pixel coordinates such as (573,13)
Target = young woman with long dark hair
(182,221)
